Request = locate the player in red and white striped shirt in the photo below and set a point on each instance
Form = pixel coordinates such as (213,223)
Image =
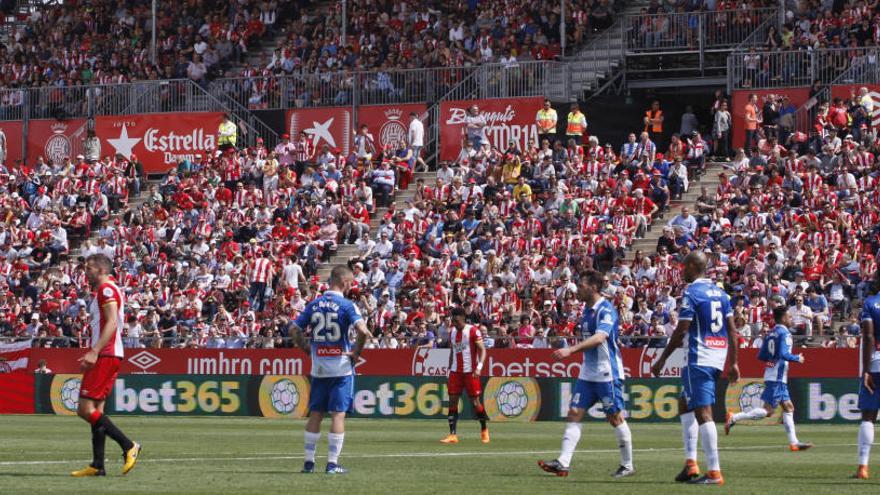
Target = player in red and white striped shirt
(262,271)
(101,365)
(466,357)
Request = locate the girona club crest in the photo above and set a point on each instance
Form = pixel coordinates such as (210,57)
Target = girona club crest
(393,130)
(58,145)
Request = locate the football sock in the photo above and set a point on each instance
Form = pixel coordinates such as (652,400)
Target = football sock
(756,413)
(866,438)
(115,433)
(788,422)
(99,438)
(453,419)
(624,441)
(709,436)
(689,434)
(334,447)
(311,445)
(481,415)
(569,442)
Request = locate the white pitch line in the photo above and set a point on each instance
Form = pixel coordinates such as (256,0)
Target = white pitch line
(258,457)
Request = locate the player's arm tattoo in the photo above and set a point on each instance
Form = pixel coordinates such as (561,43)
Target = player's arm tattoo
(868,345)
(109,310)
(676,340)
(362,333)
(595,341)
(481,349)
(299,338)
(732,342)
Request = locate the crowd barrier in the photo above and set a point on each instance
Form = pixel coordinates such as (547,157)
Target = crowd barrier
(519,385)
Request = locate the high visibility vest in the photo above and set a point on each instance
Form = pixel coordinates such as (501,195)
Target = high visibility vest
(577,124)
(654,126)
(227,134)
(547,118)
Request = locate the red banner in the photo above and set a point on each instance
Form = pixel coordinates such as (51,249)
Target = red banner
(328,125)
(388,123)
(507,119)
(823,363)
(159,140)
(16,393)
(55,139)
(739,98)
(13,132)
(846,92)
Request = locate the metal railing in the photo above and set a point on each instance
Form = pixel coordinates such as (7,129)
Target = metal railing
(862,70)
(389,87)
(766,70)
(695,31)
(239,95)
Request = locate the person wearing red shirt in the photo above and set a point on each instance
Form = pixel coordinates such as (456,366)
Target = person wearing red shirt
(100,366)
(465,365)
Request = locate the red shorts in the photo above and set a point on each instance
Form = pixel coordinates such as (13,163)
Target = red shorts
(466,381)
(97,382)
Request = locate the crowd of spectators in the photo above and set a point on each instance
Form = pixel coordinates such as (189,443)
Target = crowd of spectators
(690,24)
(76,43)
(838,35)
(225,251)
(384,36)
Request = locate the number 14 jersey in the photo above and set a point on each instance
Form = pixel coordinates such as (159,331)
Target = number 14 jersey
(707,307)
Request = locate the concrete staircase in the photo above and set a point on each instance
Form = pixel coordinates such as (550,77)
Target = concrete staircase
(603,55)
(134,202)
(648,244)
(344,252)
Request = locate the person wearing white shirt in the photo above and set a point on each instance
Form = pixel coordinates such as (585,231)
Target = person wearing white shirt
(384,246)
(801,315)
(445,174)
(293,274)
(416,135)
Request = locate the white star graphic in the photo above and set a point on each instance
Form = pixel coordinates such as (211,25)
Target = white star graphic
(322,131)
(123,143)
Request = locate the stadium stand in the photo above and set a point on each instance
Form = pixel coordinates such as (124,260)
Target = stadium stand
(224,251)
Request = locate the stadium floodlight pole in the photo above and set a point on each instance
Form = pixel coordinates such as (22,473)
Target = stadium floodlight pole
(153,34)
(562,25)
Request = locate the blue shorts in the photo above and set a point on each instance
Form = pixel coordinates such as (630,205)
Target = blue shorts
(699,385)
(775,393)
(867,400)
(610,394)
(334,394)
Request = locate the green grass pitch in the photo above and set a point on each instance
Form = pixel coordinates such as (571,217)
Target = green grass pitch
(261,456)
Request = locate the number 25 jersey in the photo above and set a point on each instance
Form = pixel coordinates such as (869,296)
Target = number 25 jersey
(330,317)
(707,307)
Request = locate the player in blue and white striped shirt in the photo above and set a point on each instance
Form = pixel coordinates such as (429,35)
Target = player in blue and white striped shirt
(705,319)
(600,380)
(330,317)
(776,352)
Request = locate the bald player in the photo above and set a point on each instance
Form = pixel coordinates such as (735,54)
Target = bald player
(705,327)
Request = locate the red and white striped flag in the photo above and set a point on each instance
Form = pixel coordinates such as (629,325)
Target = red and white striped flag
(14,355)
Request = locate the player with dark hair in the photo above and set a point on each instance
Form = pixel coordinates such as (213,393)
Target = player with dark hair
(600,380)
(869,394)
(330,317)
(100,366)
(705,318)
(776,352)
(466,356)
